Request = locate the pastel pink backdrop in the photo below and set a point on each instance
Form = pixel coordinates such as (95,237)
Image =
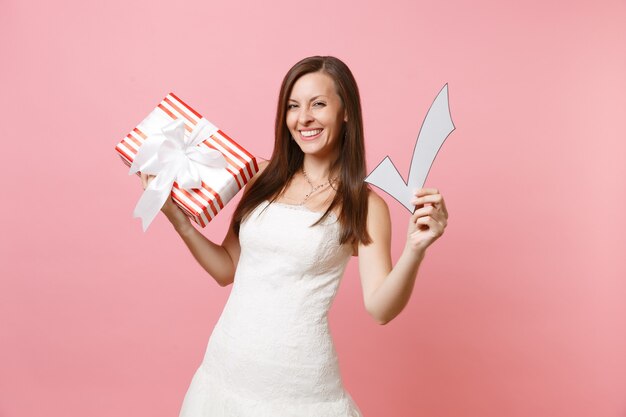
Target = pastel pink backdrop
(518,310)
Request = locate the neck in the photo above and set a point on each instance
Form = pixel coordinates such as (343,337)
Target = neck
(317,169)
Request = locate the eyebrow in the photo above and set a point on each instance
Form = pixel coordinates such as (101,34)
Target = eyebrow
(312,98)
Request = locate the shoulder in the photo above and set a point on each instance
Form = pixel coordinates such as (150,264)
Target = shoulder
(262,164)
(378,222)
(377,208)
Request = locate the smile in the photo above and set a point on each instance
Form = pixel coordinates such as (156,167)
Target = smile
(310,134)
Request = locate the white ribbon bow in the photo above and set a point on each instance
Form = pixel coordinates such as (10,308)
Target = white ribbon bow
(172,157)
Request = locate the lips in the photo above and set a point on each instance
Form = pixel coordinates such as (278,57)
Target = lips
(310,134)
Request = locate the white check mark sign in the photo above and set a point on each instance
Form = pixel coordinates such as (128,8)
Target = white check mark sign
(436,127)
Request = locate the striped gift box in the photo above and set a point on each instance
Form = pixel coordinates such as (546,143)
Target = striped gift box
(200,204)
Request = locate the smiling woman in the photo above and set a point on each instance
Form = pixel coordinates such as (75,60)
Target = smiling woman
(316,115)
(300,218)
(324,170)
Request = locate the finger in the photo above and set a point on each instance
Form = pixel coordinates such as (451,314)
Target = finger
(425,211)
(415,216)
(419,192)
(440,218)
(440,208)
(432,212)
(427,199)
(427,222)
(444,209)
(416,206)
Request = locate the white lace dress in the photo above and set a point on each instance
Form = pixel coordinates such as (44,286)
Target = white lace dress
(271,353)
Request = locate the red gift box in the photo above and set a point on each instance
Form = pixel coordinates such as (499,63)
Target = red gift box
(203,203)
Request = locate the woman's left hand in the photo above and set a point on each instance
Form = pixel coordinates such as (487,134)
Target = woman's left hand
(428,220)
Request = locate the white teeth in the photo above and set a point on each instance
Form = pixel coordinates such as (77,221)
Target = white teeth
(310,132)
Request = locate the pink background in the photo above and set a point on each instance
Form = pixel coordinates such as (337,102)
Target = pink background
(519,309)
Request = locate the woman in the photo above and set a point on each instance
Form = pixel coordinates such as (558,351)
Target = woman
(299,220)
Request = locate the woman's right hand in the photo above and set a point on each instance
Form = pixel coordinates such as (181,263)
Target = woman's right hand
(173,213)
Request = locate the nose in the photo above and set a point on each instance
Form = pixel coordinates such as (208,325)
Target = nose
(304,116)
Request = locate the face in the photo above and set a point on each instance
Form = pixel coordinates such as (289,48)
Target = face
(315,114)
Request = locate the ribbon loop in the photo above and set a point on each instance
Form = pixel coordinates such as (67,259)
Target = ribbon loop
(173,157)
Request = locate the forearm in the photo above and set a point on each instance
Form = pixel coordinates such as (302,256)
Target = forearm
(394,292)
(212,257)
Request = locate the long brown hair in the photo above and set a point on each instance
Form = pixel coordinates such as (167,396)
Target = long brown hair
(287,157)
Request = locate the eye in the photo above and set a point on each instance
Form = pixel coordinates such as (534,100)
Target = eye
(291,106)
(321,103)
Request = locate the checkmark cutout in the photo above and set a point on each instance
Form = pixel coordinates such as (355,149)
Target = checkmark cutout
(436,127)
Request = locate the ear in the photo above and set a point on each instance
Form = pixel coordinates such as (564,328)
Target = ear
(345,117)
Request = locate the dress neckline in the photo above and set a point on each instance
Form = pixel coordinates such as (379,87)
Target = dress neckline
(299,208)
